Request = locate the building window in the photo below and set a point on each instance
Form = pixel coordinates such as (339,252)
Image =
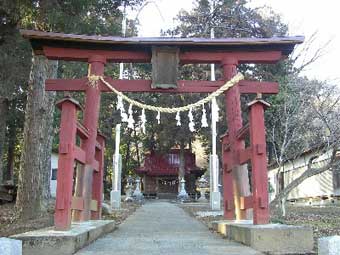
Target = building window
(54,174)
(173,159)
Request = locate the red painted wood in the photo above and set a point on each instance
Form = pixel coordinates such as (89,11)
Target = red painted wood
(97,184)
(67,138)
(239,57)
(98,146)
(167,164)
(84,55)
(91,115)
(243,132)
(227,178)
(82,131)
(254,87)
(183,86)
(244,155)
(246,202)
(142,56)
(95,165)
(228,192)
(234,120)
(77,203)
(259,164)
(79,155)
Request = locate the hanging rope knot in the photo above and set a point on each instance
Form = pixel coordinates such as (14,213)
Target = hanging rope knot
(93,80)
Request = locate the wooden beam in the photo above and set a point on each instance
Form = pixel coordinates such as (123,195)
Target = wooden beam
(183,86)
(254,87)
(190,57)
(79,154)
(246,202)
(77,203)
(83,55)
(98,146)
(244,155)
(243,132)
(95,166)
(240,57)
(82,131)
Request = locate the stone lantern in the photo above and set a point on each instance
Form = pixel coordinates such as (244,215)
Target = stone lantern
(203,187)
(128,187)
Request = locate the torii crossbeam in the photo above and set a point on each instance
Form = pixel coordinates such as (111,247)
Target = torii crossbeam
(98,50)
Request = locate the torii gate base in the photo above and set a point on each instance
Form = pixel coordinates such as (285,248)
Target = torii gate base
(268,238)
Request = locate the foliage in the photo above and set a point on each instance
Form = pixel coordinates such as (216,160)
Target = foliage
(73,16)
(228,18)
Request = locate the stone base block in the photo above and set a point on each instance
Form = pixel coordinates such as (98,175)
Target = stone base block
(269,238)
(215,201)
(183,196)
(329,245)
(52,242)
(10,246)
(115,198)
(201,214)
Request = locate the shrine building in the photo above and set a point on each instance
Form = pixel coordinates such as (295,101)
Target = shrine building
(160,173)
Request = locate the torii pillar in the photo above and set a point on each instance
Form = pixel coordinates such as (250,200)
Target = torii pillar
(84,178)
(235,176)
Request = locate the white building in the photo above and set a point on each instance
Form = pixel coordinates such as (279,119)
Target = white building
(54,168)
(316,188)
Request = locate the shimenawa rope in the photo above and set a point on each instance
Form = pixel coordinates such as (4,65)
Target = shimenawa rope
(93,81)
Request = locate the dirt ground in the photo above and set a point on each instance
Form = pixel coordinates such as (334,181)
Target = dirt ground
(325,221)
(10,226)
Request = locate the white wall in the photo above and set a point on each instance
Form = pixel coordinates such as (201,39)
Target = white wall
(317,185)
(54,165)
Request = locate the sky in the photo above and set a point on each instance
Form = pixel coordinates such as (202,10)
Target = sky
(304,17)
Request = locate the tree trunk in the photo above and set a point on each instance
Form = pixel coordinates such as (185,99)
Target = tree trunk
(12,139)
(10,158)
(35,164)
(3,117)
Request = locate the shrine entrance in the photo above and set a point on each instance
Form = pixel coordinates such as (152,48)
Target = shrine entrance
(167,185)
(166,54)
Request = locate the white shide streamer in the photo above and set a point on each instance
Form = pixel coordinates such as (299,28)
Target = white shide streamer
(158,117)
(131,121)
(143,121)
(204,121)
(191,121)
(178,118)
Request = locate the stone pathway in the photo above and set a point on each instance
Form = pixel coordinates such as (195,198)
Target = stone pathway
(163,228)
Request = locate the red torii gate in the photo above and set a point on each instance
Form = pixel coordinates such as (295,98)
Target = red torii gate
(85,202)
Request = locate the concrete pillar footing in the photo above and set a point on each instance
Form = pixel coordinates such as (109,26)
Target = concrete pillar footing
(268,238)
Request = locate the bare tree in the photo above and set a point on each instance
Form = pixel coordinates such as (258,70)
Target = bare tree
(306,117)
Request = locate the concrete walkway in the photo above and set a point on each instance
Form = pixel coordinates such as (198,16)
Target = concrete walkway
(163,228)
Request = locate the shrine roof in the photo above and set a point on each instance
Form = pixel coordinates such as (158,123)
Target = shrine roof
(39,39)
